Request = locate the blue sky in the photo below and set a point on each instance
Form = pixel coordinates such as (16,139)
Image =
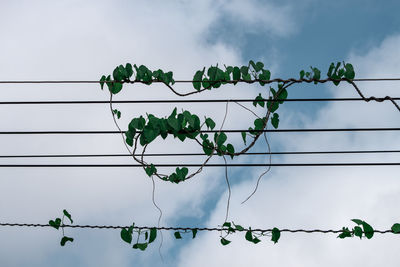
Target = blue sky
(71,40)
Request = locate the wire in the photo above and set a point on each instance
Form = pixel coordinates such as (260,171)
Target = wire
(211,131)
(191,81)
(199,165)
(183,228)
(197,154)
(189,101)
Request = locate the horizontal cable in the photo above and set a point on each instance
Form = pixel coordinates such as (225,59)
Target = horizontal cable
(198,154)
(190,81)
(210,131)
(182,228)
(200,165)
(78,102)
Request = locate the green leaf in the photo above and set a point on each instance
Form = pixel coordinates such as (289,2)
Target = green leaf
(236,74)
(141,246)
(129,69)
(251,63)
(245,71)
(220,138)
(249,236)
(239,227)
(357,221)
(275,120)
(65,239)
(396,228)
(173,123)
(317,74)
(259,124)
(66,213)
(330,70)
(358,231)
(302,73)
(276,234)
(188,117)
(259,66)
(126,235)
(230,149)
(137,123)
(116,88)
(283,95)
(206,84)
(264,76)
(150,134)
(153,235)
(197,79)
(272,105)
(224,241)
(368,230)
(256,240)
(207,147)
(177,235)
(244,137)
(227,224)
(259,100)
(117,112)
(102,80)
(118,76)
(194,233)
(181,173)
(349,73)
(345,233)
(210,123)
(150,170)
(56,223)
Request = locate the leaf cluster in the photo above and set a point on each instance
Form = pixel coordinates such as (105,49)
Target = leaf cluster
(214,77)
(123,74)
(250,235)
(59,222)
(185,125)
(362,229)
(144,237)
(336,72)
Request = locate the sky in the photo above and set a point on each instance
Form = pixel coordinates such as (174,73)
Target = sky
(82,40)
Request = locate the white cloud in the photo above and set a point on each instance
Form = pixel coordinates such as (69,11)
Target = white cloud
(82,40)
(321,197)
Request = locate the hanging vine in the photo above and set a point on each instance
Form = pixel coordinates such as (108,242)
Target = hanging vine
(144,130)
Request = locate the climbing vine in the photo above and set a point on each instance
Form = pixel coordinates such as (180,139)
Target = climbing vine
(58,223)
(141,237)
(144,130)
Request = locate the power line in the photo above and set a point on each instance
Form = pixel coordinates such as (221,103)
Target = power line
(209,131)
(183,228)
(200,165)
(160,101)
(191,81)
(199,154)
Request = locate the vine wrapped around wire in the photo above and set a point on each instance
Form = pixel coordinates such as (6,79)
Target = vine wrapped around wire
(185,125)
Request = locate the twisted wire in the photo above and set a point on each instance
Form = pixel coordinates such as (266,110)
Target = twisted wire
(210,229)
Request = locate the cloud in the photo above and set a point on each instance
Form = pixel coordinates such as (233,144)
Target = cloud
(324,198)
(82,40)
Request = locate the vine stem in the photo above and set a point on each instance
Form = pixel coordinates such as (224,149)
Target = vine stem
(229,190)
(152,179)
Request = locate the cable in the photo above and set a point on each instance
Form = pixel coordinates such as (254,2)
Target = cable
(211,131)
(199,165)
(183,228)
(188,101)
(191,81)
(197,154)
